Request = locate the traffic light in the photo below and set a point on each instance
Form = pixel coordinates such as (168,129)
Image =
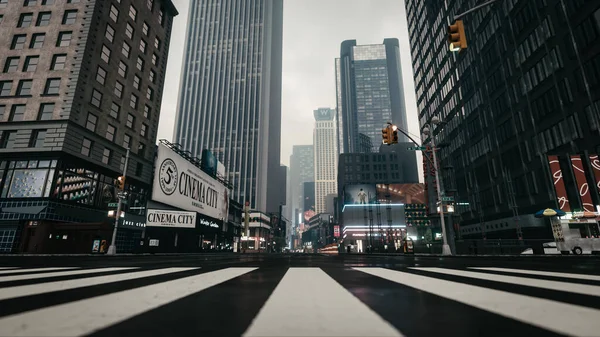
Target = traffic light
(395,137)
(121,183)
(456,36)
(385,134)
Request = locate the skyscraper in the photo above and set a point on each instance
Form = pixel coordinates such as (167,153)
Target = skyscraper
(302,170)
(82,82)
(325,143)
(230,94)
(369,94)
(520,99)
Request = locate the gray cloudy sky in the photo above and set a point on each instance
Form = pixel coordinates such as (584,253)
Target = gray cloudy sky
(312,33)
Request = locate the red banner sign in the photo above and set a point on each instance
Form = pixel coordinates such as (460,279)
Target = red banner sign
(336,231)
(595,161)
(582,184)
(559,184)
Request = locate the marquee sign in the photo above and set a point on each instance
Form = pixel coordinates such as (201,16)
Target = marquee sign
(163,218)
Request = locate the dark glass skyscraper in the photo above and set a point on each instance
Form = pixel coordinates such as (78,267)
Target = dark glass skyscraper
(369,93)
(526,89)
(230,94)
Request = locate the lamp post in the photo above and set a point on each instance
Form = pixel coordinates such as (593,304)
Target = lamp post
(426,131)
(112,249)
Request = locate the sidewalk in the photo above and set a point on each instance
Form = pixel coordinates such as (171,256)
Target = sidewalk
(126,254)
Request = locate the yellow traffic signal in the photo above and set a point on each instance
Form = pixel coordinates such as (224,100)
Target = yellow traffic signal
(121,183)
(385,134)
(395,137)
(456,36)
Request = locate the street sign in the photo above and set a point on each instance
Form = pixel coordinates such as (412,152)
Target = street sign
(447,198)
(417,148)
(113,204)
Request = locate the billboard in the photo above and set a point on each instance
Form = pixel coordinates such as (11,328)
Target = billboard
(163,218)
(401,193)
(359,194)
(209,162)
(559,184)
(336,231)
(179,183)
(582,184)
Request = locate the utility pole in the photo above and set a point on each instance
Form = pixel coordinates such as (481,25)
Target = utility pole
(112,249)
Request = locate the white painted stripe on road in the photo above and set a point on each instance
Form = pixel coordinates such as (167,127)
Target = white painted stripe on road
(4,268)
(35,289)
(576,288)
(308,302)
(62,273)
(86,316)
(33,270)
(541,273)
(568,319)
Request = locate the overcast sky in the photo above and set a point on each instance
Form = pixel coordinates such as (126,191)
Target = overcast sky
(312,33)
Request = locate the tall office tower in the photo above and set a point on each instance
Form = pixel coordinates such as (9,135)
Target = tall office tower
(325,156)
(230,94)
(369,94)
(520,108)
(302,170)
(82,82)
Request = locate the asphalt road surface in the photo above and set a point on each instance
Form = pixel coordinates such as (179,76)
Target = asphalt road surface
(299,295)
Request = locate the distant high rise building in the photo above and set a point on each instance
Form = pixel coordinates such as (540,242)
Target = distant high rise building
(325,156)
(302,170)
(369,94)
(230,94)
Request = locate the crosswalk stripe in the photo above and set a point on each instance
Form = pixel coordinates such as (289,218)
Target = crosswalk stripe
(308,302)
(86,316)
(563,318)
(5,268)
(35,289)
(522,281)
(33,270)
(61,273)
(541,273)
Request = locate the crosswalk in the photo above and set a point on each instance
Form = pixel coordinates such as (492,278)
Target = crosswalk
(310,301)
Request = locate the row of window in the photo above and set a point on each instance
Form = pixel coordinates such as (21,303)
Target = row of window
(19,41)
(9,138)
(32,61)
(87,145)
(51,88)
(111,130)
(43,19)
(17,112)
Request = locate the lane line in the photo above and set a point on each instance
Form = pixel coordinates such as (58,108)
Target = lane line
(541,273)
(89,315)
(35,289)
(576,288)
(62,273)
(567,319)
(308,302)
(5,268)
(33,270)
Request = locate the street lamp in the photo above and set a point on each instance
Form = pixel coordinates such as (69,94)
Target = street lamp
(426,131)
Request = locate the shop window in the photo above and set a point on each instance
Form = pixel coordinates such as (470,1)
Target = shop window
(28,179)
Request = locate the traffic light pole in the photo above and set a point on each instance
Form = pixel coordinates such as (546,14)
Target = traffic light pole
(458,16)
(112,249)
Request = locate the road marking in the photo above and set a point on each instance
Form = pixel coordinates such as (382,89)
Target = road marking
(541,273)
(522,281)
(33,270)
(61,273)
(4,268)
(34,289)
(308,302)
(86,316)
(564,318)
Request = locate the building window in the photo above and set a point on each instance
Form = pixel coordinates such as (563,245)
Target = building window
(47,2)
(91,122)
(46,111)
(161,17)
(101,75)
(130,121)
(141,150)
(70,17)
(43,19)
(96,98)
(106,156)
(110,132)
(139,168)
(24,88)
(115,109)
(37,138)
(2,111)
(149,93)
(143,46)
(29,3)
(73,1)
(52,86)
(154,59)
(8,139)
(143,130)
(150,4)
(126,50)
(37,41)
(86,147)
(122,69)
(114,13)
(31,63)
(126,141)
(118,89)
(147,111)
(109,33)
(58,62)
(18,42)
(140,64)
(105,54)
(122,164)
(133,101)
(25,20)
(136,82)
(129,30)
(132,13)
(1,16)
(146,29)
(12,64)
(64,39)
(17,113)
(3,3)
(5,88)
(156,43)
(152,76)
